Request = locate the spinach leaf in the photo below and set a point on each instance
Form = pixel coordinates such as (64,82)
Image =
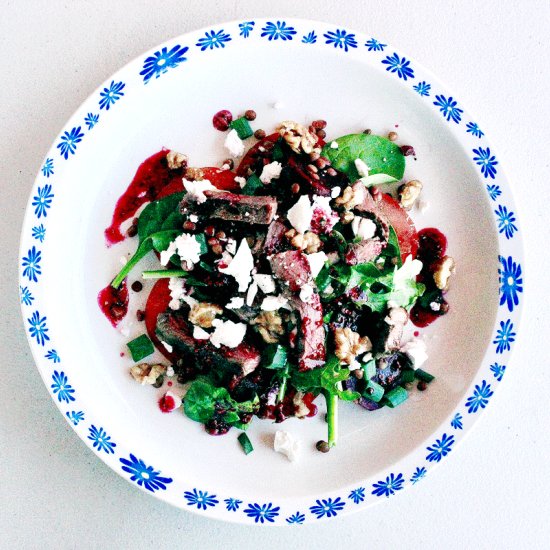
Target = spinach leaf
(160,215)
(383,157)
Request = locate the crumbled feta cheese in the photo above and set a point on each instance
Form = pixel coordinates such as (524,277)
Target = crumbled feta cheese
(227,333)
(265,282)
(435,306)
(286,444)
(177,291)
(273,303)
(241,181)
(234,144)
(167,346)
(306,292)
(170,371)
(193,218)
(251,293)
(225,166)
(235,303)
(415,349)
(200,334)
(300,214)
(323,203)
(334,145)
(241,265)
(170,402)
(196,189)
(362,168)
(188,247)
(316,262)
(363,227)
(271,171)
(278,105)
(165,255)
(335,192)
(231,246)
(409,270)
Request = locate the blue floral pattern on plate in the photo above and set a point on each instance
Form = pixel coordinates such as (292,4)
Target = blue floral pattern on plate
(39,232)
(143,475)
(441,448)
(213,40)
(389,486)
(38,328)
(31,264)
(327,507)
(68,142)
(511,282)
(296,519)
(357,495)
(341,39)
(160,62)
(109,96)
(480,398)
(42,200)
(399,65)
(100,440)
(25,295)
(449,107)
(505,336)
(200,499)
(261,513)
(473,128)
(91,120)
(53,356)
(61,387)
(274,31)
(456,422)
(75,417)
(419,473)
(309,38)
(374,45)
(506,221)
(245,28)
(47,168)
(422,88)
(232,504)
(498,371)
(487,161)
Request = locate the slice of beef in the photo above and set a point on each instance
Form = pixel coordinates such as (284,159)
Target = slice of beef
(310,347)
(275,238)
(363,252)
(232,207)
(291,267)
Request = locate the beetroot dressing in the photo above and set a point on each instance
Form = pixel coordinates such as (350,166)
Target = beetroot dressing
(113,302)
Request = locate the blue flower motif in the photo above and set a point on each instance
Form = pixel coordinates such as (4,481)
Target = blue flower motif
(109,96)
(498,371)
(506,221)
(480,398)
(357,495)
(494,191)
(327,507)
(161,61)
(246,28)
(442,447)
(213,40)
(42,201)
(47,168)
(277,30)
(511,281)
(61,387)
(388,487)
(473,128)
(68,142)
(25,295)
(456,422)
(398,65)
(262,512)
(374,46)
(75,416)
(310,38)
(144,475)
(232,504)
(449,108)
(200,499)
(31,264)
(296,519)
(52,355)
(423,88)
(505,336)
(487,162)
(101,441)
(39,232)
(91,120)
(341,39)
(419,474)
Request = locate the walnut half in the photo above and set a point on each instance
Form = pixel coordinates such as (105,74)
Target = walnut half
(298,137)
(270,326)
(409,193)
(442,272)
(308,241)
(145,373)
(348,344)
(203,313)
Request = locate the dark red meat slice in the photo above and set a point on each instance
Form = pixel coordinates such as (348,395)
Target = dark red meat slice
(274,239)
(292,268)
(252,155)
(363,252)
(311,341)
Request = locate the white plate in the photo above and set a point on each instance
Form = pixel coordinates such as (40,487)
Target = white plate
(311,70)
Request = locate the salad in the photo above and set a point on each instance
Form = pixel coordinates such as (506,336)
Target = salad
(287,277)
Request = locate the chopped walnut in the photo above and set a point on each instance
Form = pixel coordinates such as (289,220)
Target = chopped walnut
(347,217)
(270,326)
(203,313)
(308,241)
(144,373)
(301,410)
(176,160)
(442,271)
(298,137)
(349,344)
(194,174)
(409,193)
(350,198)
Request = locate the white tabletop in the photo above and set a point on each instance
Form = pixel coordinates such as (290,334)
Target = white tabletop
(492,492)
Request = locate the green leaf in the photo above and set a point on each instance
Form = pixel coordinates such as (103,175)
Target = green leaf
(162,239)
(253,183)
(323,278)
(275,357)
(383,157)
(160,215)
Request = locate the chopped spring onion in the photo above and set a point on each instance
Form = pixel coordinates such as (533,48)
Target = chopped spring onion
(164,273)
(370,369)
(275,357)
(423,375)
(242,127)
(140,347)
(252,185)
(245,443)
(395,397)
(408,376)
(374,391)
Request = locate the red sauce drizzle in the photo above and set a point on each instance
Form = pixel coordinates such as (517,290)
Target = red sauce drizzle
(167,403)
(113,302)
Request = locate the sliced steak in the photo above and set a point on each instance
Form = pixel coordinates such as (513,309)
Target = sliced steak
(291,267)
(275,238)
(363,252)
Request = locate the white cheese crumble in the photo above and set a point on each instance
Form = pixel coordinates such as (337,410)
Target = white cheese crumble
(300,214)
(167,346)
(306,293)
(235,303)
(165,255)
(409,270)
(177,401)
(334,145)
(271,171)
(363,227)
(188,248)
(227,333)
(196,189)
(170,371)
(234,144)
(241,266)
(286,444)
(335,192)
(231,246)
(241,181)
(266,283)
(273,303)
(200,334)
(323,203)
(316,262)
(193,218)
(177,291)
(415,349)
(251,293)
(362,168)
(435,306)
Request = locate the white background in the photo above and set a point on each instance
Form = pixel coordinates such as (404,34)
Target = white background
(493,492)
